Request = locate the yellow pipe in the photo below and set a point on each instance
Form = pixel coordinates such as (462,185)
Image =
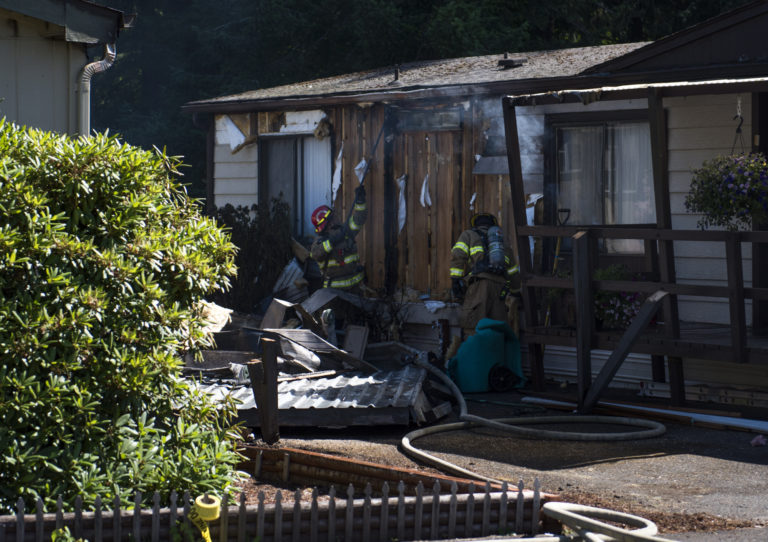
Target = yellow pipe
(205,509)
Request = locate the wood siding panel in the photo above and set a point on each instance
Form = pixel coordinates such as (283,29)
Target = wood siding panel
(400,167)
(419,255)
(448,178)
(463,212)
(704,269)
(235,170)
(430,231)
(706,310)
(235,186)
(375,187)
(718,139)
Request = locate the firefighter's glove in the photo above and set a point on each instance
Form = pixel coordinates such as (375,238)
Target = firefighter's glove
(505,291)
(360,194)
(337,235)
(457,289)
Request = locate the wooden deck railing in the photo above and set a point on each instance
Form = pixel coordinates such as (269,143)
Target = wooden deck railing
(659,258)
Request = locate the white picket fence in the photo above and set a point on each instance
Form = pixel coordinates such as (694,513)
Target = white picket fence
(428,515)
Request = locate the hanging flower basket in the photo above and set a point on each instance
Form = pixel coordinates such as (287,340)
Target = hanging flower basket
(730,191)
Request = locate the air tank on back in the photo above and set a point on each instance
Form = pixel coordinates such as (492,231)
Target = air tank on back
(496,248)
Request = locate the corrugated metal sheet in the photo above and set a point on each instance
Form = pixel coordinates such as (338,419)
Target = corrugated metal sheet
(383,389)
(379,390)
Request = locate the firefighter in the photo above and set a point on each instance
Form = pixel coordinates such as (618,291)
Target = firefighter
(483,273)
(335,249)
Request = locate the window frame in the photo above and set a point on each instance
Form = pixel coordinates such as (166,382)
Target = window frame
(567,120)
(299,222)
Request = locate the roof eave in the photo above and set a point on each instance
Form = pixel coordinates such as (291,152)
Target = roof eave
(83,21)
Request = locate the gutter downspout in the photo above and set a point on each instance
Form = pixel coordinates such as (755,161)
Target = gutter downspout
(84,87)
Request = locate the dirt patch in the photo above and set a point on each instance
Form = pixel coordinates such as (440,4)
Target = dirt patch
(288,492)
(667,522)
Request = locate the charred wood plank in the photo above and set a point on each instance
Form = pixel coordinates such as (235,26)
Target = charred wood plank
(263,376)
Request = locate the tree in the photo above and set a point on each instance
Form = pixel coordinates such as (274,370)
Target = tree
(104,263)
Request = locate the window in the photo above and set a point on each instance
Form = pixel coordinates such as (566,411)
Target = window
(603,172)
(296,169)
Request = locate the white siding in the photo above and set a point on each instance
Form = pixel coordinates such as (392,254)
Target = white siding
(700,128)
(235,175)
(235,166)
(39,83)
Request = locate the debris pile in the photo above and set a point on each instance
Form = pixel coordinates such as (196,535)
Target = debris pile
(327,374)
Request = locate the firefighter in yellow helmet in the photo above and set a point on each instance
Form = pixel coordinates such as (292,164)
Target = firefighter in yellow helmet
(335,249)
(483,272)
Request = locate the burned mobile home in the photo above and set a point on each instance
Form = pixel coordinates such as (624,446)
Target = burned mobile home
(608,133)
(440,130)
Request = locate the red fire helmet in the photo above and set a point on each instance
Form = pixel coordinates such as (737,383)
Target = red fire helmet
(320,217)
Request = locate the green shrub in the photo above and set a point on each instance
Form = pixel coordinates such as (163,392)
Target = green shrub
(264,242)
(105,260)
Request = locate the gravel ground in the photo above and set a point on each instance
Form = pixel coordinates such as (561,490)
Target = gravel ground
(691,480)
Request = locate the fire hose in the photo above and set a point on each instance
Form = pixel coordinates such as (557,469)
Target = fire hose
(577,517)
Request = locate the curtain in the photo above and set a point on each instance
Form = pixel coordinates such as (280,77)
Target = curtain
(605,176)
(579,166)
(629,181)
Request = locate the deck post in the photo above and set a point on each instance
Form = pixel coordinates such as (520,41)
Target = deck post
(676,381)
(517,189)
(736,297)
(585,313)
(660,162)
(759,249)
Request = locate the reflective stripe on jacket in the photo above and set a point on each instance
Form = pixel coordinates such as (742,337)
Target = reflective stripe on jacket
(469,250)
(339,263)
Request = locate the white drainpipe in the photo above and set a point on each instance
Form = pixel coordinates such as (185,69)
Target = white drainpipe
(84,120)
